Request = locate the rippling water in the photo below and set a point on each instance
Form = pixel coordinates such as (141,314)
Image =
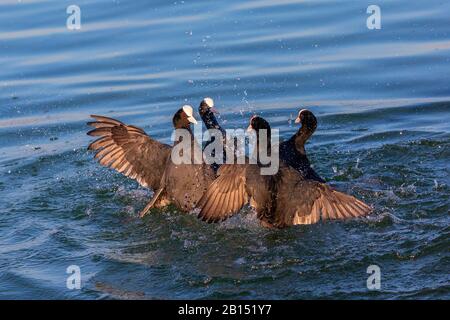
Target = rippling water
(382,98)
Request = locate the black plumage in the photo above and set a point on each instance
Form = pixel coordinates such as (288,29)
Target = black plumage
(292,151)
(207,113)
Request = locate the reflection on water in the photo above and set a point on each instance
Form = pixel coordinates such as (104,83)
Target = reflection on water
(381,97)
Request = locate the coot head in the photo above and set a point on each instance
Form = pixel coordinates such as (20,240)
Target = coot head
(257,123)
(184,117)
(307,119)
(206,107)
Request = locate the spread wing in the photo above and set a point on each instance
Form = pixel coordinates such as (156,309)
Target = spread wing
(233,188)
(307,201)
(129,150)
(226,195)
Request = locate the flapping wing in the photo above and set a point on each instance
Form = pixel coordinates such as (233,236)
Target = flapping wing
(309,201)
(226,195)
(129,150)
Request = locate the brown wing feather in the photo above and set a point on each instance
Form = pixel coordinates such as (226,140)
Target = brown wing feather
(347,206)
(129,150)
(306,202)
(226,195)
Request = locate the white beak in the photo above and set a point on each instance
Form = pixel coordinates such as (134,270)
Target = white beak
(298,120)
(209,102)
(192,120)
(189,113)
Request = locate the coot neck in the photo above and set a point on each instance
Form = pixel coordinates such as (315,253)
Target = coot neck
(210,120)
(259,145)
(300,138)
